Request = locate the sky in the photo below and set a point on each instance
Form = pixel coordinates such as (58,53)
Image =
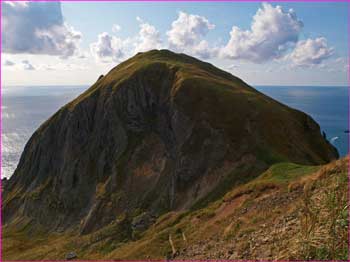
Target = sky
(73,43)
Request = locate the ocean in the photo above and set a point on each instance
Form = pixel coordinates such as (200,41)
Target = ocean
(25,108)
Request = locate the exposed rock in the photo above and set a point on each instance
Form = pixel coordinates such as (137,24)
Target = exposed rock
(71,256)
(142,221)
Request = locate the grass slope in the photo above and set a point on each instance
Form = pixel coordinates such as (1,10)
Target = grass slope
(289,212)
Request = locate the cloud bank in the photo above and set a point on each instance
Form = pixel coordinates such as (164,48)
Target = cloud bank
(37,28)
(273,35)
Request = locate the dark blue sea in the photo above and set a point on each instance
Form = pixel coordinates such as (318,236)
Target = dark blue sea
(24,108)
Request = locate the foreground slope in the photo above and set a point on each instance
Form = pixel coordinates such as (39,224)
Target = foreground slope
(289,212)
(160,132)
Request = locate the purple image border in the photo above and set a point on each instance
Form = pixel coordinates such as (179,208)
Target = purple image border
(154,1)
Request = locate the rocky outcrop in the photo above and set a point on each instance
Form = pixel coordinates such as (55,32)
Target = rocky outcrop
(159,132)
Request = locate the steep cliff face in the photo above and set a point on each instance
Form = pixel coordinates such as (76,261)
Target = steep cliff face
(161,131)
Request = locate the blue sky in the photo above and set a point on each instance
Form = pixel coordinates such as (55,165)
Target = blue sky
(270,45)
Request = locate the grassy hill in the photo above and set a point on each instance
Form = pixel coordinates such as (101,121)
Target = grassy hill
(150,151)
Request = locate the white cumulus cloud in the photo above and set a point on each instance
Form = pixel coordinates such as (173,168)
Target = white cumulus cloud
(272,32)
(8,63)
(116,28)
(148,37)
(187,35)
(37,28)
(26,65)
(311,52)
(108,48)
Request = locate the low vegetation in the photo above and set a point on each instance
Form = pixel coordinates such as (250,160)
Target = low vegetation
(288,212)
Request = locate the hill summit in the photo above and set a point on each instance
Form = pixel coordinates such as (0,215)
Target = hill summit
(160,132)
